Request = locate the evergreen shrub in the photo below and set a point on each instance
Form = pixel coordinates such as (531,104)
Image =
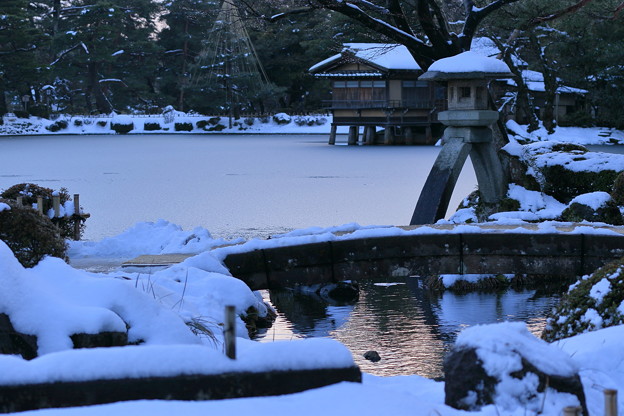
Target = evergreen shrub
(213,121)
(29,235)
(21,114)
(218,127)
(57,126)
(78,122)
(102,123)
(30,193)
(151,126)
(592,303)
(122,128)
(201,124)
(183,126)
(39,111)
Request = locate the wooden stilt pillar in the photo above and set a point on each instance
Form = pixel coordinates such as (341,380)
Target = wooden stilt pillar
(388,135)
(353,135)
(429,135)
(369,135)
(332,134)
(409,135)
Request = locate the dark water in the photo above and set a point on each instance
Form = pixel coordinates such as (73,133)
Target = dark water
(409,327)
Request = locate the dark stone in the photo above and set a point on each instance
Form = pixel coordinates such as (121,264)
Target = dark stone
(102,339)
(184,387)
(16,343)
(469,387)
(372,356)
(341,292)
(463,374)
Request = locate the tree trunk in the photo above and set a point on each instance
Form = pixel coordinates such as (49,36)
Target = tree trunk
(95,90)
(550,85)
(3,104)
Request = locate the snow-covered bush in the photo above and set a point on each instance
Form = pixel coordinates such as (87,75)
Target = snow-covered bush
(57,126)
(151,126)
(122,128)
(102,123)
(566,170)
(30,236)
(282,118)
(594,302)
(593,206)
(618,190)
(183,126)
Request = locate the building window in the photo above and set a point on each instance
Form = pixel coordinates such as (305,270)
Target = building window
(359,91)
(415,94)
(464,92)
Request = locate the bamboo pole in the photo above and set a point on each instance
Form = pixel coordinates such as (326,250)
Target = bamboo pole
(229,332)
(56,204)
(610,396)
(77,218)
(40,205)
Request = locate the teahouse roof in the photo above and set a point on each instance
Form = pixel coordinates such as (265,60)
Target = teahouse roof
(382,56)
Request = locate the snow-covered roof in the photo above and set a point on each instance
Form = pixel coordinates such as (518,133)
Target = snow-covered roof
(381,55)
(535,82)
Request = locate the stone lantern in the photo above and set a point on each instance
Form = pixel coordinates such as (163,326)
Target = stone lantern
(468,120)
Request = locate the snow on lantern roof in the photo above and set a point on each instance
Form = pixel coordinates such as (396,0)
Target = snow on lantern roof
(467,65)
(384,56)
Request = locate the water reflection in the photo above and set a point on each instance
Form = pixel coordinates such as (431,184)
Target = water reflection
(410,327)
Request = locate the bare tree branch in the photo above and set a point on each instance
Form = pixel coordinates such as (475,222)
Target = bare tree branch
(559,13)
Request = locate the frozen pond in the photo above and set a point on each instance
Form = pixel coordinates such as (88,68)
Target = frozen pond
(232,185)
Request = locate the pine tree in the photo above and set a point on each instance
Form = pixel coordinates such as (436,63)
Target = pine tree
(106,50)
(20,41)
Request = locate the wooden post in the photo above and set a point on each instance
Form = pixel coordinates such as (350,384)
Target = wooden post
(369,135)
(20,200)
(56,204)
(571,411)
(77,218)
(388,135)
(229,332)
(353,135)
(332,134)
(409,135)
(40,205)
(611,408)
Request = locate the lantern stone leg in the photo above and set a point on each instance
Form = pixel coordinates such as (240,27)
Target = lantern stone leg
(436,194)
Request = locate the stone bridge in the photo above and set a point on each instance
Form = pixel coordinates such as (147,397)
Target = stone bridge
(572,251)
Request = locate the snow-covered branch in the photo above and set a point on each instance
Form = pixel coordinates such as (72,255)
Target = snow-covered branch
(66,51)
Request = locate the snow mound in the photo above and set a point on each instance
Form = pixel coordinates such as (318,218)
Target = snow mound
(160,237)
(54,301)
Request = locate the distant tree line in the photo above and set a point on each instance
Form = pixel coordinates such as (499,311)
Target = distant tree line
(98,56)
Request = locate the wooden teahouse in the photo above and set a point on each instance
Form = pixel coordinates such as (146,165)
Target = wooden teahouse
(375,87)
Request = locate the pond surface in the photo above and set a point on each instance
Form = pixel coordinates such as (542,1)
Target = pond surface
(255,186)
(233,185)
(410,327)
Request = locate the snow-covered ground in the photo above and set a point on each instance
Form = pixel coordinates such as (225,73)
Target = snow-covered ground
(70,300)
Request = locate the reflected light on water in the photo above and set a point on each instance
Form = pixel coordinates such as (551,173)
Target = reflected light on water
(411,328)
